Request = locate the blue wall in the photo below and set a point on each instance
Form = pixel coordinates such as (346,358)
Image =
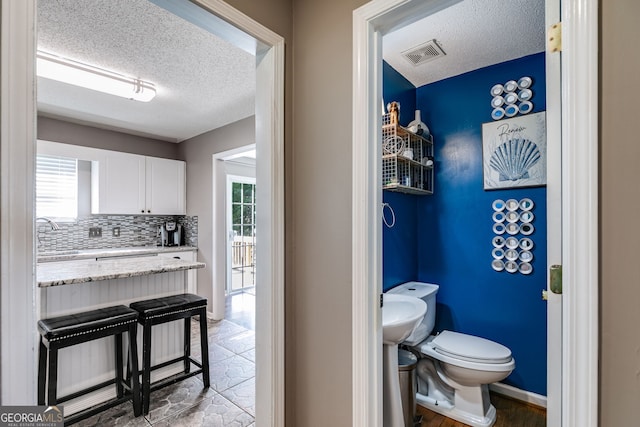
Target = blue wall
(400,245)
(453,228)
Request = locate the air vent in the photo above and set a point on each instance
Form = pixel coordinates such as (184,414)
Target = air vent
(424,53)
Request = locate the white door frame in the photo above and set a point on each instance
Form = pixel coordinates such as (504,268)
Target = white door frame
(579,204)
(219,227)
(18,335)
(554,220)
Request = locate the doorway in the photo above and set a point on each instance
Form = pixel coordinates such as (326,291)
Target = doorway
(18,139)
(370,23)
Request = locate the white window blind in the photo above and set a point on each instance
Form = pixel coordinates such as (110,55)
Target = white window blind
(56,187)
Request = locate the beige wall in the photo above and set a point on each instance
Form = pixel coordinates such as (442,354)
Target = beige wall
(321,189)
(620,204)
(318,192)
(71,133)
(198,153)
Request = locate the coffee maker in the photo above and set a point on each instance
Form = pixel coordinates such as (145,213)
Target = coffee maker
(170,234)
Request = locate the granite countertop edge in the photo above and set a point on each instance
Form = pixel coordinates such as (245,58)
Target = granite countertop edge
(94,270)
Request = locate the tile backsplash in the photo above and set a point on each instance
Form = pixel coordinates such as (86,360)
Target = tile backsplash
(135,230)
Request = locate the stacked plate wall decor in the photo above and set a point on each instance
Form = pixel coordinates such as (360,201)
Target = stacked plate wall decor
(512,225)
(511,98)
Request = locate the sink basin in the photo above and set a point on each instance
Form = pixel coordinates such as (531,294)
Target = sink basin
(400,314)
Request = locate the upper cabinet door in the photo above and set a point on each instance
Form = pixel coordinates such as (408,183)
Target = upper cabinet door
(131,184)
(165,186)
(118,187)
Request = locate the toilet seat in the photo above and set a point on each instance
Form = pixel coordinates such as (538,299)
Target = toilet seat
(470,348)
(468,351)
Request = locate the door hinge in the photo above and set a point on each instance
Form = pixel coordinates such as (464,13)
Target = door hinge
(555,279)
(554,38)
(381,301)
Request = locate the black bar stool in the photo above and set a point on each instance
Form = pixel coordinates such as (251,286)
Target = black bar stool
(64,331)
(162,310)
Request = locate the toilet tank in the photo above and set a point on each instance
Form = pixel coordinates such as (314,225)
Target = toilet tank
(426,292)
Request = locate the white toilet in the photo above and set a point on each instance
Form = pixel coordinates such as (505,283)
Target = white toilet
(454,374)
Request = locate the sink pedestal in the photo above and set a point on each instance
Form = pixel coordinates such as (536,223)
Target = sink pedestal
(392,400)
(400,315)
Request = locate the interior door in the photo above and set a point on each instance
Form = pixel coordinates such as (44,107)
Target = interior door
(554,221)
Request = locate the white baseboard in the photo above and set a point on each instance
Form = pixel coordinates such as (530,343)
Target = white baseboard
(518,394)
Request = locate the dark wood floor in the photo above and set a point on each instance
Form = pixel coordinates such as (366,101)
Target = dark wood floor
(510,413)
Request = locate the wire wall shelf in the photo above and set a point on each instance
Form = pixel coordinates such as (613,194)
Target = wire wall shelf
(407,160)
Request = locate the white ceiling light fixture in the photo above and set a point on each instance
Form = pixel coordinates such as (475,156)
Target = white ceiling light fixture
(53,67)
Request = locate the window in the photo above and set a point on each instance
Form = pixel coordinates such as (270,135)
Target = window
(56,187)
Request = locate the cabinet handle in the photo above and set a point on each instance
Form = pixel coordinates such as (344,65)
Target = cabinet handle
(149,211)
(176,257)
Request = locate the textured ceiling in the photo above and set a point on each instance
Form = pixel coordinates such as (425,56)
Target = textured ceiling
(473,33)
(202,81)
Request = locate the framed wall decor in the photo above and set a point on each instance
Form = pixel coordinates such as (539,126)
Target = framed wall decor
(514,152)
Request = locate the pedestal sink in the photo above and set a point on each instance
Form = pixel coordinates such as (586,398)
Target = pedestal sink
(400,314)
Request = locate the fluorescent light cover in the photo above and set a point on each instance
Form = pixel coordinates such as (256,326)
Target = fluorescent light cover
(75,73)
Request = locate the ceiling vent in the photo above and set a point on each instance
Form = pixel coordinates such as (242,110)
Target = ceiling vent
(424,53)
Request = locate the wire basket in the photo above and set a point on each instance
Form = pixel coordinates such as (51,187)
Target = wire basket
(405,160)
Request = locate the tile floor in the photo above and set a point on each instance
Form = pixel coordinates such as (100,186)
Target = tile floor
(230,399)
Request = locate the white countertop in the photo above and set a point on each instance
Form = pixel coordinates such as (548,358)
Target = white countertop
(72,271)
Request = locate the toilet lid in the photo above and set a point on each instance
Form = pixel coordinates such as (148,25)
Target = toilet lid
(470,348)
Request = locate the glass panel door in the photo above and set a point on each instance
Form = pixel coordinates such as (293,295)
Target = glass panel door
(242,236)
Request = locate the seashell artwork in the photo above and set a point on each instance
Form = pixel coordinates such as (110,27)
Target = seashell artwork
(514,158)
(514,152)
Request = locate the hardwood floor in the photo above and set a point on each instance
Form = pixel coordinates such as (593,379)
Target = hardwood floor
(511,413)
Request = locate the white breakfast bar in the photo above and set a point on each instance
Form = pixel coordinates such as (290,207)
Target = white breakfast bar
(76,281)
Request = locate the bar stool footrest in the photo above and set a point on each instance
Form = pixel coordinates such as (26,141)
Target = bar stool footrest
(94,410)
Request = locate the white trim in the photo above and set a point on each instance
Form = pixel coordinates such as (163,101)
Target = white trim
(518,394)
(366,357)
(270,260)
(580,212)
(580,109)
(554,219)
(17,145)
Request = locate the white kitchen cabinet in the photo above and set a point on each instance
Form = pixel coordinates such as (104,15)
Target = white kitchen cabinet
(124,183)
(191,285)
(165,186)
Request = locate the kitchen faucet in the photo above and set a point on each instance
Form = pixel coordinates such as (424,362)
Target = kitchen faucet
(51,222)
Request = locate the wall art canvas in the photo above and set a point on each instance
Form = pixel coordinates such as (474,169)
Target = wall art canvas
(514,152)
